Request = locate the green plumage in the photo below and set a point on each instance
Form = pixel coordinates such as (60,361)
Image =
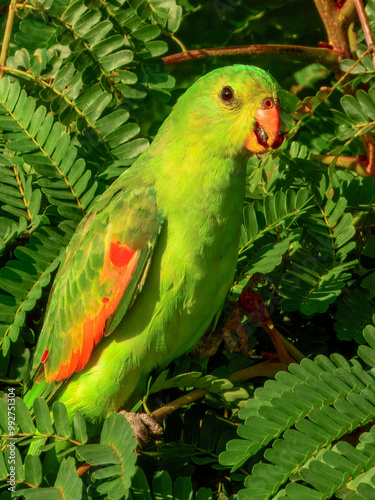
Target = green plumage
(179,206)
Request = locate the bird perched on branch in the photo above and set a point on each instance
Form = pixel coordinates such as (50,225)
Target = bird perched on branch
(149,266)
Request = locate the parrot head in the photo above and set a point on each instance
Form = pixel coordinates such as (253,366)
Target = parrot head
(234,108)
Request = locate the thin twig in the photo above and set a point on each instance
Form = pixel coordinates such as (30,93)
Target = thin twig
(366,28)
(175,39)
(265,369)
(326,56)
(326,95)
(7,33)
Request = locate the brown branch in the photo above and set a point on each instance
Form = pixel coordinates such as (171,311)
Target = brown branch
(337,17)
(369,143)
(356,163)
(368,139)
(327,56)
(82,469)
(265,369)
(8,31)
(366,28)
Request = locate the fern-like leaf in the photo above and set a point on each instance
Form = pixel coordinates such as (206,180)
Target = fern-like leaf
(301,413)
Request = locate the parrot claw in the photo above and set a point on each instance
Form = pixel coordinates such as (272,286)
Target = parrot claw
(145,427)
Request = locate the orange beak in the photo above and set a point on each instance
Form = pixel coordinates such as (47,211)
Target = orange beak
(265,135)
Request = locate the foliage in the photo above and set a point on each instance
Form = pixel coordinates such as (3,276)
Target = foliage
(85,90)
(302,413)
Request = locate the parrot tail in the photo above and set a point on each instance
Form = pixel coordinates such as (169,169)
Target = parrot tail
(44,389)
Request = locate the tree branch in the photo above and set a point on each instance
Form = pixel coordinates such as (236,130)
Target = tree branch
(366,28)
(369,143)
(337,17)
(8,31)
(265,369)
(326,56)
(356,163)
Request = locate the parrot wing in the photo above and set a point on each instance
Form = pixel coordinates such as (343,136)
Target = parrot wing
(104,268)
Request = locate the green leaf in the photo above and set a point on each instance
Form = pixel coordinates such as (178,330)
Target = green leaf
(61,420)
(140,489)
(98,454)
(40,493)
(156,48)
(79,427)
(86,22)
(355,311)
(174,18)
(367,103)
(108,45)
(67,480)
(33,470)
(270,256)
(24,419)
(116,60)
(98,32)
(208,434)
(117,447)
(345,65)
(352,108)
(131,149)
(4,89)
(146,33)
(74,12)
(42,416)
(162,486)
(112,122)
(122,134)
(183,489)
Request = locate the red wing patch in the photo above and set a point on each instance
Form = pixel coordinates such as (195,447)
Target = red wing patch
(120,256)
(119,265)
(45,356)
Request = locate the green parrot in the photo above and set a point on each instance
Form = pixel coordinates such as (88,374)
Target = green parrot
(149,267)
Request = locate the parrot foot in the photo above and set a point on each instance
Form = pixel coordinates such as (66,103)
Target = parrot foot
(145,427)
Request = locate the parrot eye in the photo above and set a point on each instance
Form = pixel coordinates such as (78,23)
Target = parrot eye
(268,103)
(227,94)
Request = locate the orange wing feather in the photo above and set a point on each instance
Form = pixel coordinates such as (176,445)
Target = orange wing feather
(118,269)
(99,277)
